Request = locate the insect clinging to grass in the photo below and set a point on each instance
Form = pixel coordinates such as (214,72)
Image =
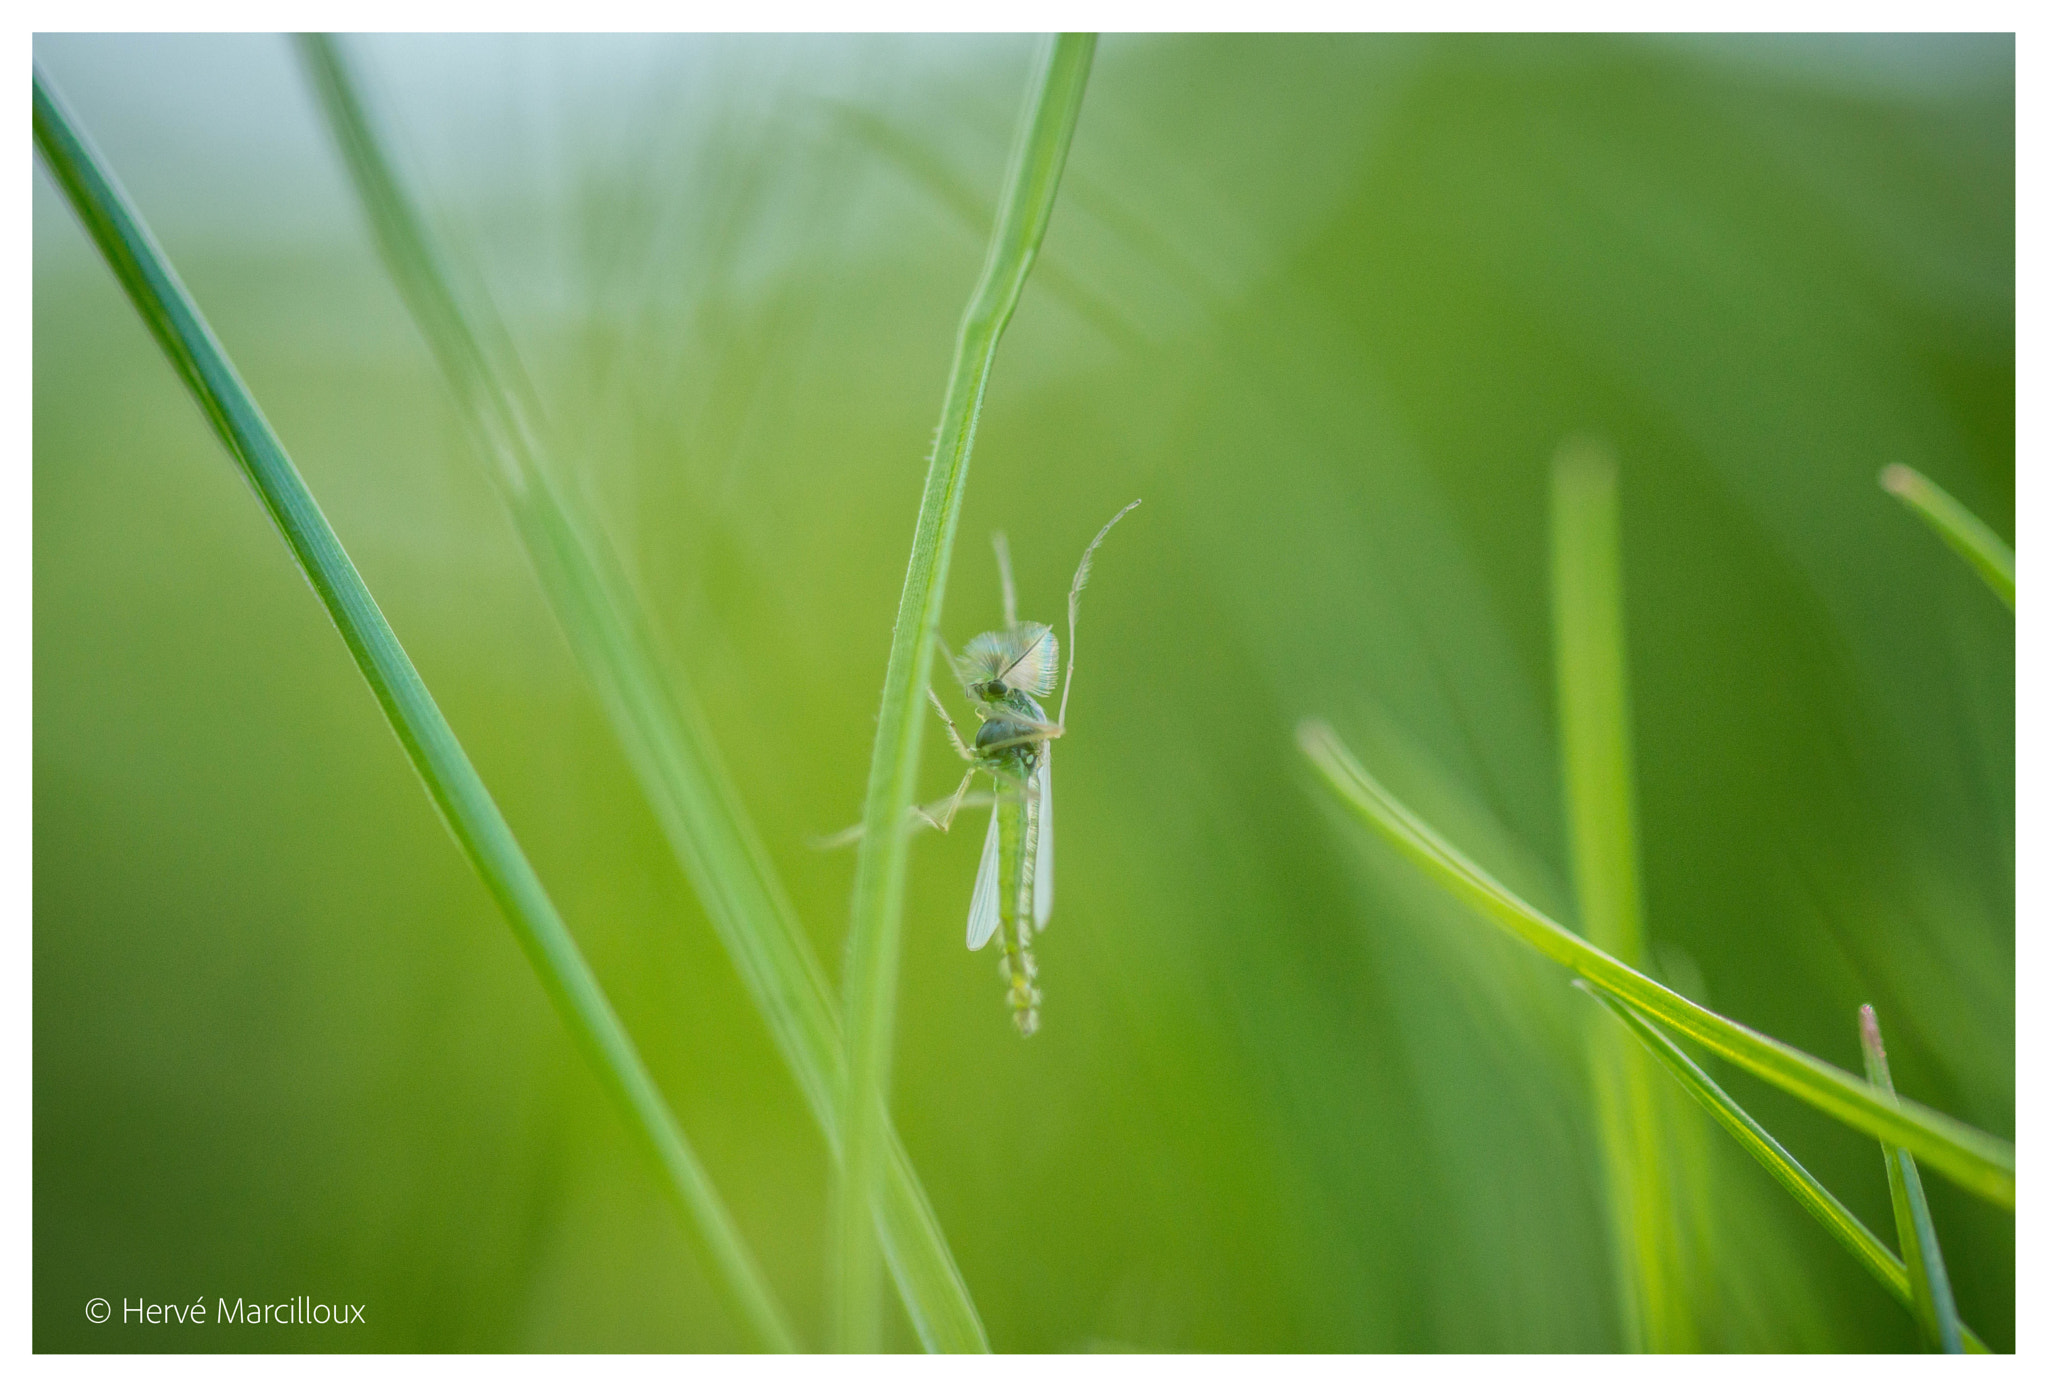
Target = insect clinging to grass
(1004,675)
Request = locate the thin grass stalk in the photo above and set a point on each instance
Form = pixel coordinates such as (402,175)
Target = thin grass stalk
(465,805)
(654,713)
(875,941)
(1599,782)
(1934,1302)
(1962,531)
(1974,1160)
(1879,1260)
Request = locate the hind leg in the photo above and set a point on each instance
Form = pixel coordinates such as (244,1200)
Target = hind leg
(952,805)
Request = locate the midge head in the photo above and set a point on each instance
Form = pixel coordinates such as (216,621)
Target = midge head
(1022,659)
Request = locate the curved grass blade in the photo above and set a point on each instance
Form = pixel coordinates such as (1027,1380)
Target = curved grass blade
(666,737)
(876,936)
(1963,532)
(451,781)
(1644,1196)
(1934,1302)
(1974,1160)
(1813,1196)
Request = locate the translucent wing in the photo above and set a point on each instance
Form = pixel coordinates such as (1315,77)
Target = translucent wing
(1041,871)
(982,914)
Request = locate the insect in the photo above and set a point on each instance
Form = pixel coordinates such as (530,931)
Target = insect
(1005,674)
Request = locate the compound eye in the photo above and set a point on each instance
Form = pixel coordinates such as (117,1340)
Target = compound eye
(998,689)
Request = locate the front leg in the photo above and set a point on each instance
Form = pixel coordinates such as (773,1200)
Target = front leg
(952,732)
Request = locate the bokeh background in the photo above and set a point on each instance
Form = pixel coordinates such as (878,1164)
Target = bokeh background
(1328,305)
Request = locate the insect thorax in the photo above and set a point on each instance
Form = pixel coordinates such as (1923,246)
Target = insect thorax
(1006,745)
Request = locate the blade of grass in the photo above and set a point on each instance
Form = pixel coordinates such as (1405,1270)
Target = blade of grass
(1592,696)
(1963,532)
(875,941)
(667,739)
(451,781)
(1813,1196)
(1934,1303)
(1593,722)
(1975,1160)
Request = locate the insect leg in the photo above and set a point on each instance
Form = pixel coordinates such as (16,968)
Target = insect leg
(952,805)
(952,732)
(920,816)
(1035,733)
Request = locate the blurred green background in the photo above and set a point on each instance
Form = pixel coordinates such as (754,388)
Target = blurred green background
(1328,305)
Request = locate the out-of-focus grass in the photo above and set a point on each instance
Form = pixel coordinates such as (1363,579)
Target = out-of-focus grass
(654,713)
(1963,532)
(191,349)
(1650,1208)
(1978,1161)
(1369,283)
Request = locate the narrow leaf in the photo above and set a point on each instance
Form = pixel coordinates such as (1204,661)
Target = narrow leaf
(451,781)
(1963,532)
(1592,697)
(1814,1197)
(1644,1200)
(877,928)
(649,703)
(1934,1303)
(1975,1160)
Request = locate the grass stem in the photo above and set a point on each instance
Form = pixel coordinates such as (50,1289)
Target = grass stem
(466,806)
(1933,1303)
(875,940)
(1975,1160)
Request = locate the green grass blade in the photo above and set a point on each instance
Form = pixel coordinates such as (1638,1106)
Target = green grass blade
(1963,532)
(451,781)
(656,717)
(1934,1302)
(1814,1197)
(876,936)
(1593,717)
(1592,697)
(1974,1160)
